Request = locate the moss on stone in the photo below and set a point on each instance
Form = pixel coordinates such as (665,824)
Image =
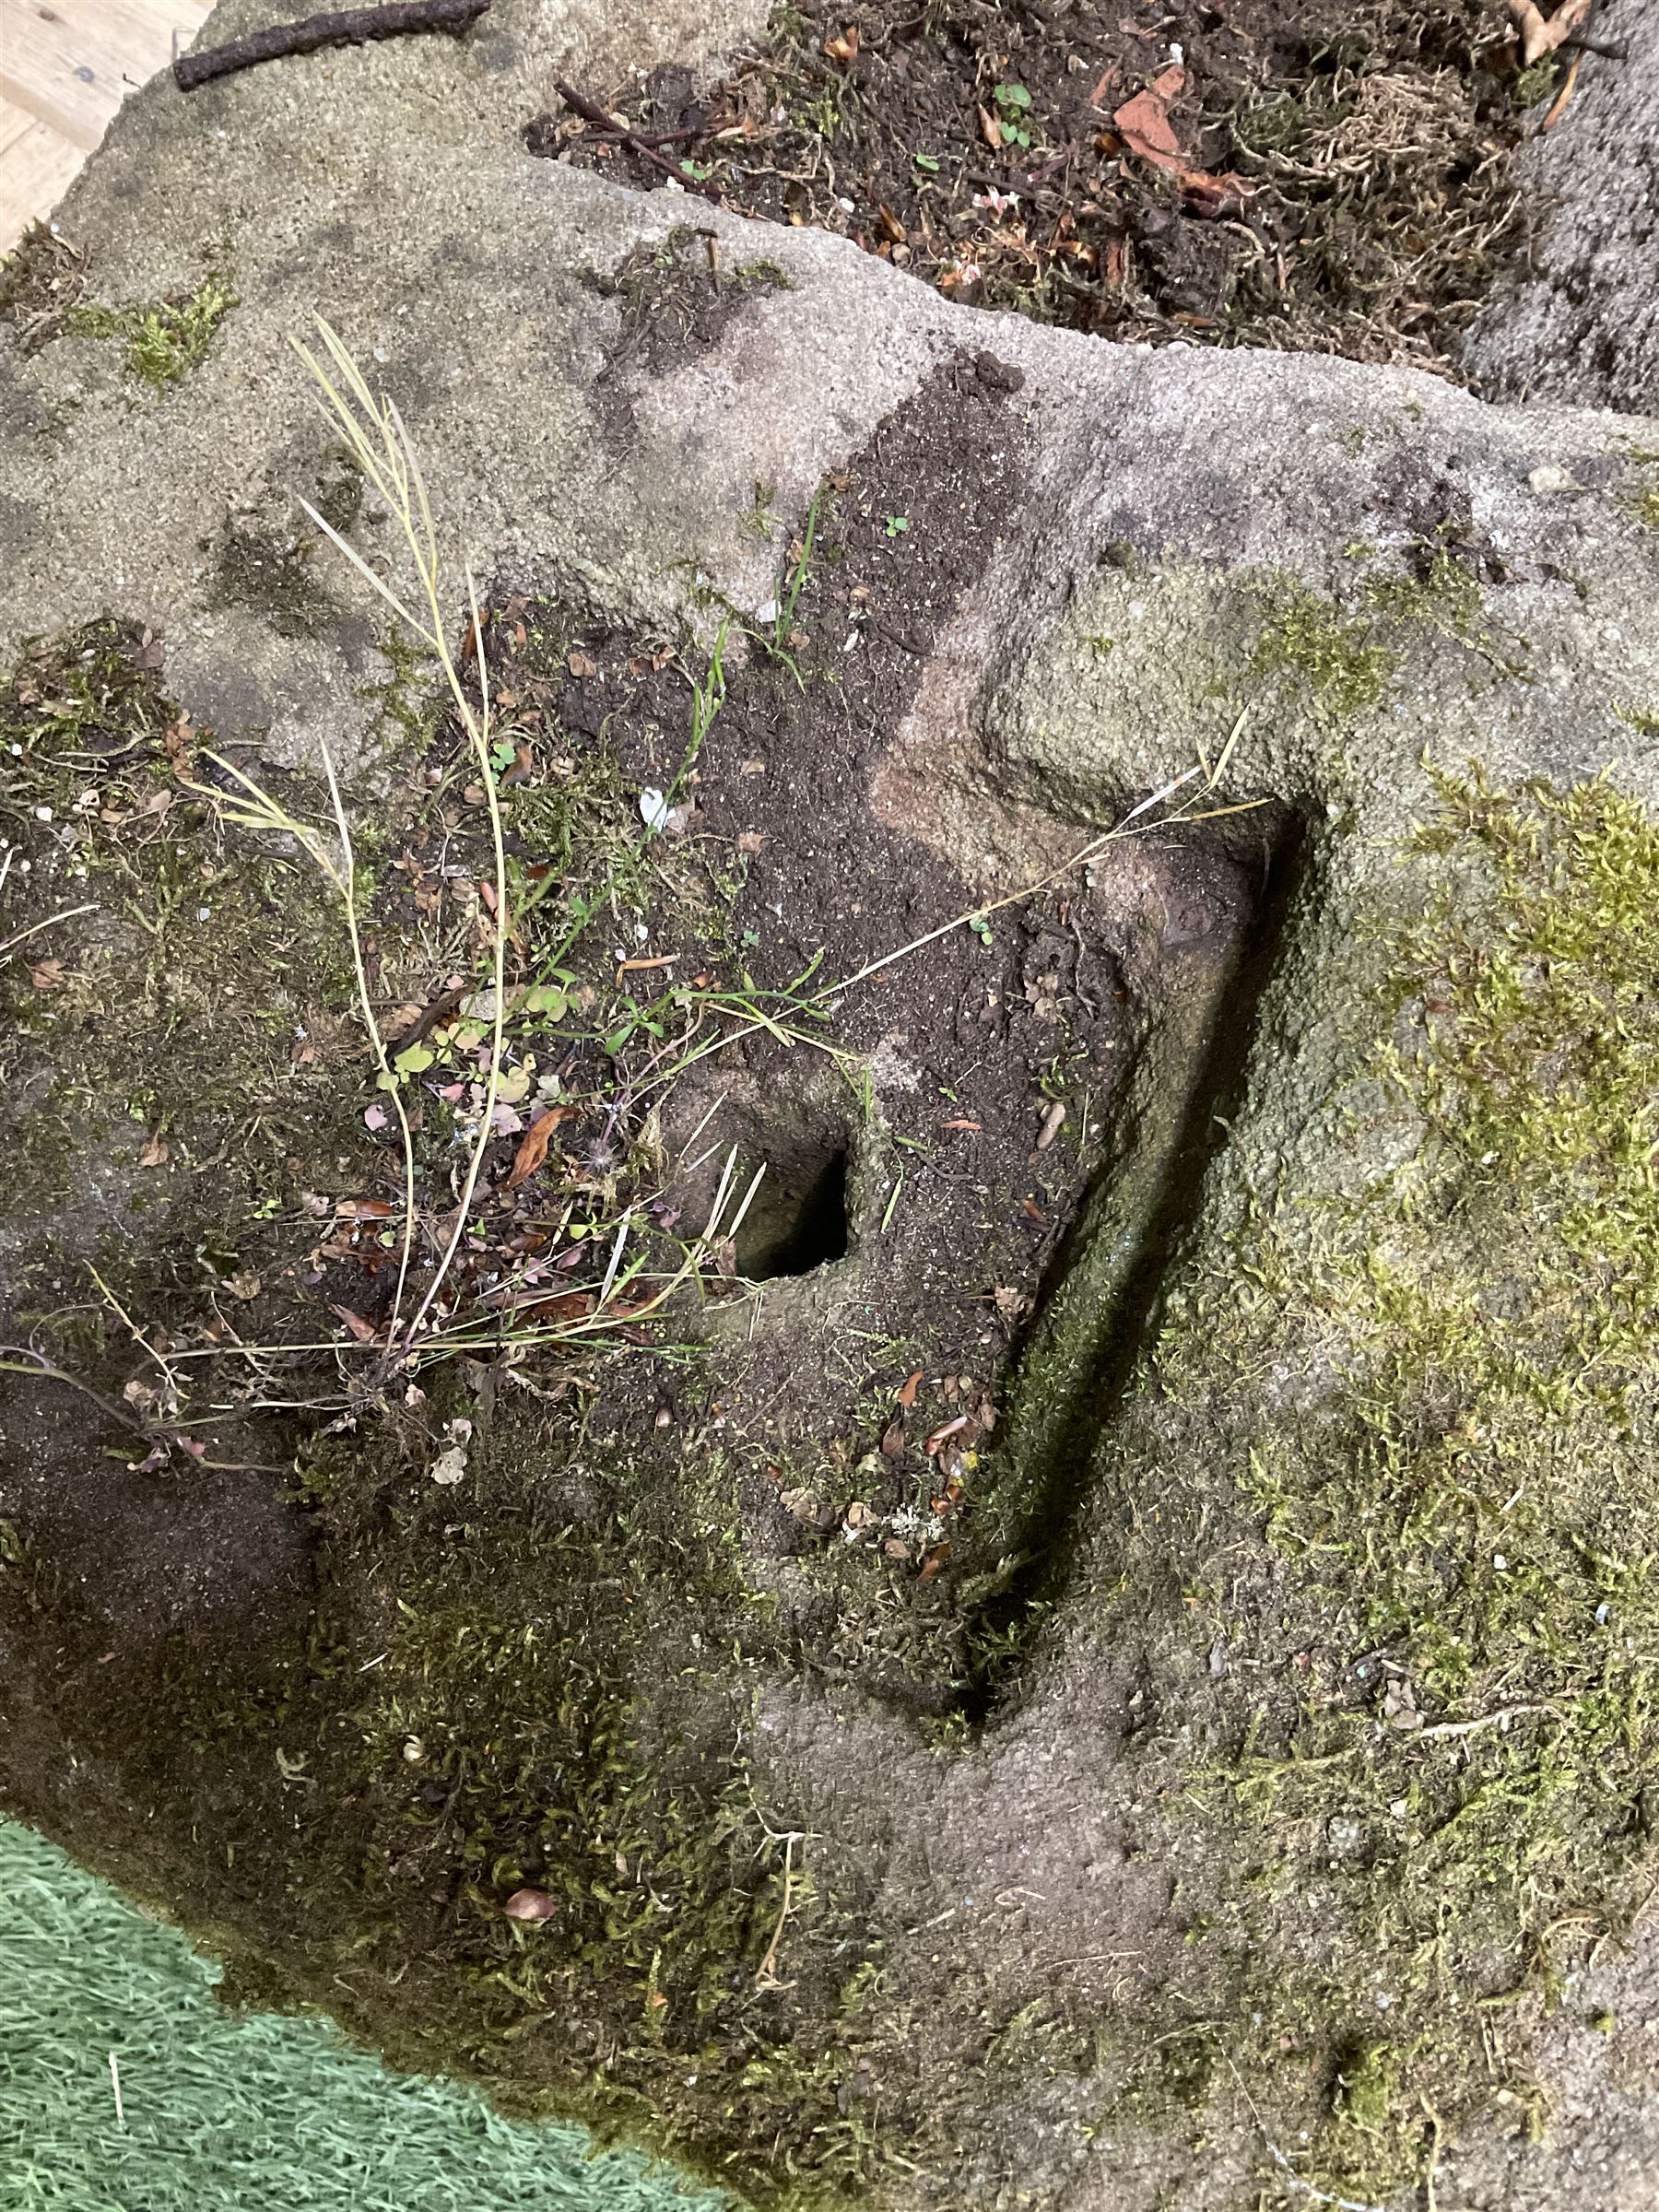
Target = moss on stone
(1310,641)
(1439,1400)
(165,338)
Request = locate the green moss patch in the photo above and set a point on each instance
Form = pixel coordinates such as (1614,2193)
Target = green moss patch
(1436,1740)
(165,338)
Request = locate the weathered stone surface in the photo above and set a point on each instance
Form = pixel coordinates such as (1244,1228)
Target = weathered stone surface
(1273,1349)
(1579,322)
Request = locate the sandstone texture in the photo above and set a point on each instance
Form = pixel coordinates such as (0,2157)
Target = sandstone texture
(1239,1788)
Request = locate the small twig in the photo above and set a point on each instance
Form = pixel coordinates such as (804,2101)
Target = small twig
(352,27)
(35,928)
(139,1338)
(53,1372)
(765,1974)
(1484,1720)
(1563,99)
(591,112)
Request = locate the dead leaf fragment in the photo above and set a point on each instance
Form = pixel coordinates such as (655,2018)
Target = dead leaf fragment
(569,1306)
(362,1330)
(449,1466)
(155,1152)
(1053,1120)
(532,1146)
(846,48)
(1212,196)
(531,1904)
(906,1395)
(46,975)
(1541,34)
(1143,123)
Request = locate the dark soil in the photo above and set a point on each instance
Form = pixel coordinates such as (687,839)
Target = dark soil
(950,1176)
(1338,179)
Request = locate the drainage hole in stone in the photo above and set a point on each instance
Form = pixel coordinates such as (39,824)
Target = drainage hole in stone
(799,1218)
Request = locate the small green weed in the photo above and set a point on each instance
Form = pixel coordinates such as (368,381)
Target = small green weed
(1013,121)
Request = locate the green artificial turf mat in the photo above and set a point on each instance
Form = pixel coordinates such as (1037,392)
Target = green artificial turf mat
(226,2114)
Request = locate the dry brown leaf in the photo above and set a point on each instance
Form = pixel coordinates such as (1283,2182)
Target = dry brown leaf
(532,1146)
(1213,194)
(582,665)
(178,739)
(990,128)
(154,1154)
(846,48)
(907,1396)
(1541,34)
(569,1305)
(362,1330)
(46,975)
(1144,125)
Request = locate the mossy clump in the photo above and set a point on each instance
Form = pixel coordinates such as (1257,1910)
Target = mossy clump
(165,338)
(1443,592)
(1334,657)
(1641,498)
(1346,658)
(164,989)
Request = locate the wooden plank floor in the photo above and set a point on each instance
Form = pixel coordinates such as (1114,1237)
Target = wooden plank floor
(65,67)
